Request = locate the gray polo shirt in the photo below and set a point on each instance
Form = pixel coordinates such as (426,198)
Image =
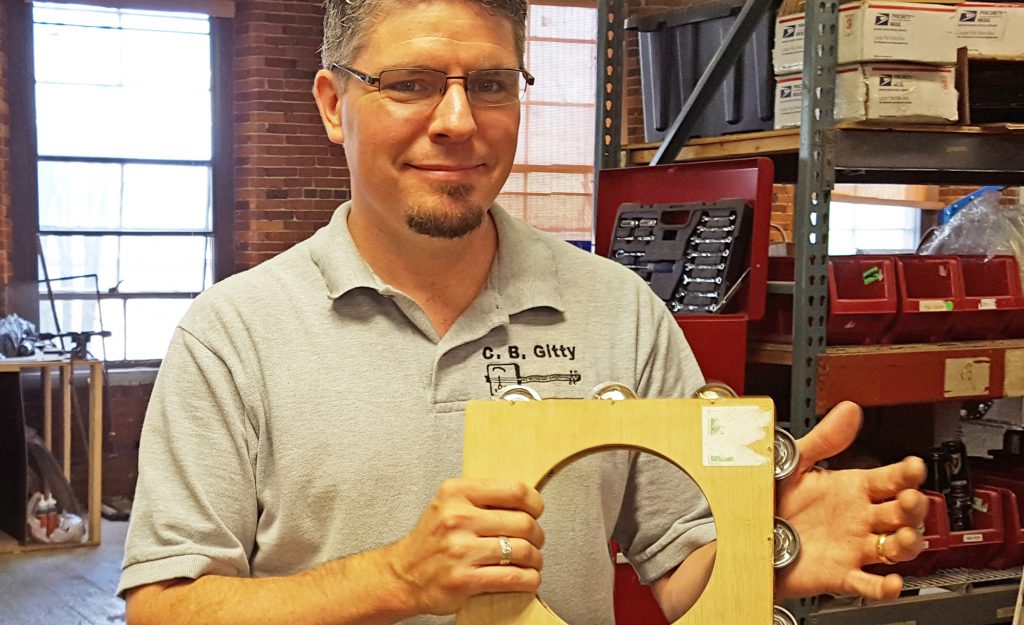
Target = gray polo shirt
(307,411)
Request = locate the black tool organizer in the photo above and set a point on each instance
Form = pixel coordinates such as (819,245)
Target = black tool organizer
(692,255)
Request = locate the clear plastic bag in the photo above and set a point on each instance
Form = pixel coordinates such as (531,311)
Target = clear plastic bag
(983,226)
(17,337)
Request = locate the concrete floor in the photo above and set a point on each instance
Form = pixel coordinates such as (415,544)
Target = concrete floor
(67,586)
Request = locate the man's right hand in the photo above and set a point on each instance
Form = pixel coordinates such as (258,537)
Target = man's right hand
(454,552)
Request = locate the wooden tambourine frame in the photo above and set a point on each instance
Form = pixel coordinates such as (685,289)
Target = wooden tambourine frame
(724,445)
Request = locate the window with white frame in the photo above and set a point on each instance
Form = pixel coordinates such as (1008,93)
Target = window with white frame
(875,218)
(551,185)
(123,112)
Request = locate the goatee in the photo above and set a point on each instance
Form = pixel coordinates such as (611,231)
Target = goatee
(445,223)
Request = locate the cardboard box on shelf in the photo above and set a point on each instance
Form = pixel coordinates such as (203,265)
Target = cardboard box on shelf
(912,93)
(851,93)
(875,31)
(898,92)
(991,30)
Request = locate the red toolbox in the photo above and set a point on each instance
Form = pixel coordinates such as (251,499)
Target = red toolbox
(930,292)
(1012,494)
(992,297)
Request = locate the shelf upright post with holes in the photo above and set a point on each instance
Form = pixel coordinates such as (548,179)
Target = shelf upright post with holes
(815,181)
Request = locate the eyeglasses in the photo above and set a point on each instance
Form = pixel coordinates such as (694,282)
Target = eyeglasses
(484,87)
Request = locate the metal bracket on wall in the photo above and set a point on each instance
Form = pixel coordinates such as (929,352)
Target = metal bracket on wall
(610,53)
(721,64)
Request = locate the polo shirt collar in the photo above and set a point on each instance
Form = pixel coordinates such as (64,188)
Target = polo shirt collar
(338,259)
(524,274)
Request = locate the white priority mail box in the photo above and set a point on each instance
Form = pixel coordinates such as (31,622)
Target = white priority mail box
(875,31)
(912,93)
(988,29)
(851,93)
(920,94)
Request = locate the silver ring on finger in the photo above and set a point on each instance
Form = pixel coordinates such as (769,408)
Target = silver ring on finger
(506,550)
(880,548)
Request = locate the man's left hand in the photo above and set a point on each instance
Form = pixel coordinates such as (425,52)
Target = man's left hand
(840,515)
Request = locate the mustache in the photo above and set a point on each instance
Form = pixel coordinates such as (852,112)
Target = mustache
(456,191)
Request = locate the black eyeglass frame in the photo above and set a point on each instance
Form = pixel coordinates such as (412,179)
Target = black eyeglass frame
(374,81)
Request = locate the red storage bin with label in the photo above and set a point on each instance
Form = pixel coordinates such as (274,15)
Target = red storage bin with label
(974,548)
(931,290)
(1012,494)
(992,298)
(862,300)
(936,538)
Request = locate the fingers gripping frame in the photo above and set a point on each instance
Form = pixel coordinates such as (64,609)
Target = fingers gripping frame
(725,445)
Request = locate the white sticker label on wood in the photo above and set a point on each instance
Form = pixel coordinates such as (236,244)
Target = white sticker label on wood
(973,538)
(1013,373)
(967,377)
(729,431)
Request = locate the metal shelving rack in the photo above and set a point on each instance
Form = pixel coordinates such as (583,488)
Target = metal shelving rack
(815,156)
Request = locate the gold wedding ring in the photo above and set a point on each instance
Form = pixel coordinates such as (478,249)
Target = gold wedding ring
(880,548)
(506,550)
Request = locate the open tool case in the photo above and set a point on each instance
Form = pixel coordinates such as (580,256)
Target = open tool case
(694,255)
(718,339)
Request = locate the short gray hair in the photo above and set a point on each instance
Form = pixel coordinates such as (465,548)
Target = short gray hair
(347,23)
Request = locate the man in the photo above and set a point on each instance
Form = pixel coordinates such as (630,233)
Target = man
(300,457)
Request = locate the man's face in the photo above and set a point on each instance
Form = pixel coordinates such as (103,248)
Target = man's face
(434,169)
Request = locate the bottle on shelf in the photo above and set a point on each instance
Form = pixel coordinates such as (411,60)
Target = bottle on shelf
(42,510)
(961,495)
(52,516)
(938,472)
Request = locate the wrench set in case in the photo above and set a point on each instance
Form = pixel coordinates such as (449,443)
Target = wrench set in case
(693,255)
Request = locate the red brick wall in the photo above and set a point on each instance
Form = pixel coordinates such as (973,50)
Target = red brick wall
(5,190)
(1011,196)
(126,405)
(782,210)
(288,177)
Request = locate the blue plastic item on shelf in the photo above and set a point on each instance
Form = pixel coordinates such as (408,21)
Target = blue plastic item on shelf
(948,212)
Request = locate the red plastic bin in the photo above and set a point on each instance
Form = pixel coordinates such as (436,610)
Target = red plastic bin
(936,538)
(931,290)
(1012,493)
(777,322)
(862,300)
(974,548)
(992,297)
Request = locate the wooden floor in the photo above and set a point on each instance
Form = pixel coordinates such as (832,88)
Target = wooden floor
(65,587)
